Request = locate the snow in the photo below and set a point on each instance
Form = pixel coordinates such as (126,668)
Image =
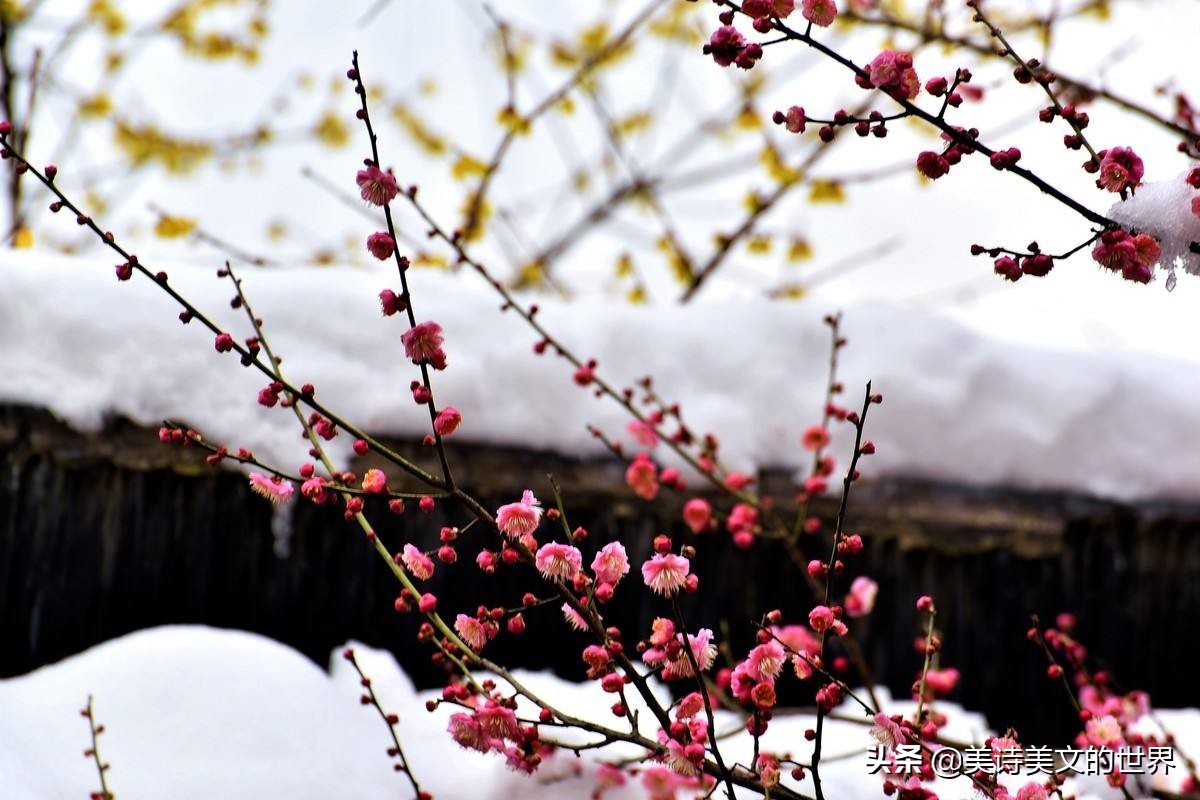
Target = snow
(1164,210)
(1025,391)
(219,713)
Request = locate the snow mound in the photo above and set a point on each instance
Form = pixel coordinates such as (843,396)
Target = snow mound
(1091,396)
(198,712)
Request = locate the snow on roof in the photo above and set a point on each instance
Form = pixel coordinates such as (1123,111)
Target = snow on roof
(1024,389)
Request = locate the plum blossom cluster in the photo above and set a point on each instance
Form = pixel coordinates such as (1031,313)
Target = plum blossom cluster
(1117,169)
(492,726)
(564,571)
(675,653)
(1108,716)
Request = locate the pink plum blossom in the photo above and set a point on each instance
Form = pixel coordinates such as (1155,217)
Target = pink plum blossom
(697,514)
(821,618)
(893,73)
(471,630)
(815,437)
(642,477)
(887,731)
(1120,169)
(861,599)
(573,618)
(765,661)
(611,563)
(679,665)
(447,421)
(423,344)
(416,562)
(797,639)
(520,518)
(1033,790)
(277,490)
(643,433)
(374,482)
(819,12)
(381,245)
(666,573)
(1104,732)
(558,561)
(376,186)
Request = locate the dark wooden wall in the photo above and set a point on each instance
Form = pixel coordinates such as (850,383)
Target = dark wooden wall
(105,534)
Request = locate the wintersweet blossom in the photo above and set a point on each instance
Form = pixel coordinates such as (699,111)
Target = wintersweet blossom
(1120,169)
(423,344)
(642,477)
(416,562)
(447,421)
(381,245)
(520,518)
(277,490)
(556,560)
(471,630)
(666,573)
(861,599)
(887,731)
(611,563)
(376,186)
